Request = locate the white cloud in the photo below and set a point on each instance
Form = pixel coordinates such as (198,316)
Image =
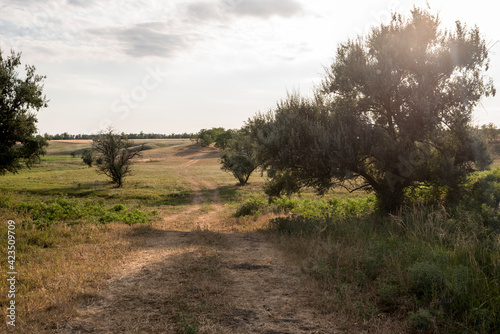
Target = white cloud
(264,8)
(238,55)
(146,39)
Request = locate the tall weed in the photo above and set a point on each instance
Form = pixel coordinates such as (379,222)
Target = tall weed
(442,266)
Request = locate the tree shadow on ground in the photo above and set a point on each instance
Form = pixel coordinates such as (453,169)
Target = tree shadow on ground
(195,151)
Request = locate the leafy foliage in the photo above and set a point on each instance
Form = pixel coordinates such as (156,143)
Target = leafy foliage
(421,320)
(394,112)
(206,137)
(239,157)
(45,213)
(483,196)
(315,209)
(251,207)
(88,156)
(224,138)
(20,99)
(114,155)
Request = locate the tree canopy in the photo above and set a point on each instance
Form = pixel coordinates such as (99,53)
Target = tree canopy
(114,154)
(239,156)
(393,112)
(20,99)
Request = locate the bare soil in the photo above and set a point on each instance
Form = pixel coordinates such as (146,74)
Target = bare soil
(195,274)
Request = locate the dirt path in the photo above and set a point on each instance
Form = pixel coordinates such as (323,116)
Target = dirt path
(204,281)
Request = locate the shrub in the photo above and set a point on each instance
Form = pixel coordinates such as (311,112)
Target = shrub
(388,293)
(118,207)
(422,320)
(295,224)
(252,206)
(426,280)
(88,156)
(484,196)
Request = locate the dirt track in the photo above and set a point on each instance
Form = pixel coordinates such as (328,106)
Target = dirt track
(205,281)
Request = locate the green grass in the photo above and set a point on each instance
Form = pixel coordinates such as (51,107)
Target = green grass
(150,185)
(67,147)
(60,158)
(436,269)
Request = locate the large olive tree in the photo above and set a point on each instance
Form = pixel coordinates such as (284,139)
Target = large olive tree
(21,97)
(394,111)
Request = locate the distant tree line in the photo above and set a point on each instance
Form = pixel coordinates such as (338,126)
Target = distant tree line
(140,135)
(489,132)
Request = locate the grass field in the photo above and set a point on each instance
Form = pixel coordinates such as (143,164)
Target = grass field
(70,230)
(181,248)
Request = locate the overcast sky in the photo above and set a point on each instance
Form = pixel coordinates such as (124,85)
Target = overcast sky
(176,66)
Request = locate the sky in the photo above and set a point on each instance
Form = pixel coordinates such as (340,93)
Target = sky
(180,66)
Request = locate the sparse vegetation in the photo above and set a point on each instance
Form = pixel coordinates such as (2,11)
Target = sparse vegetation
(114,155)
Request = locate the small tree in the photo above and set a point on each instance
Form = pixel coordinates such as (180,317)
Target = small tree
(239,156)
(88,156)
(19,100)
(115,153)
(223,138)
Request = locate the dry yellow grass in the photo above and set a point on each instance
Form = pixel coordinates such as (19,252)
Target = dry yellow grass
(51,282)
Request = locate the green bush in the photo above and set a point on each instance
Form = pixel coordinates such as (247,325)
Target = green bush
(317,209)
(252,206)
(422,320)
(483,196)
(426,280)
(44,213)
(388,293)
(445,260)
(118,208)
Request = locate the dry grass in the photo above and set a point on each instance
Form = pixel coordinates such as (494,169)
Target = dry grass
(51,282)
